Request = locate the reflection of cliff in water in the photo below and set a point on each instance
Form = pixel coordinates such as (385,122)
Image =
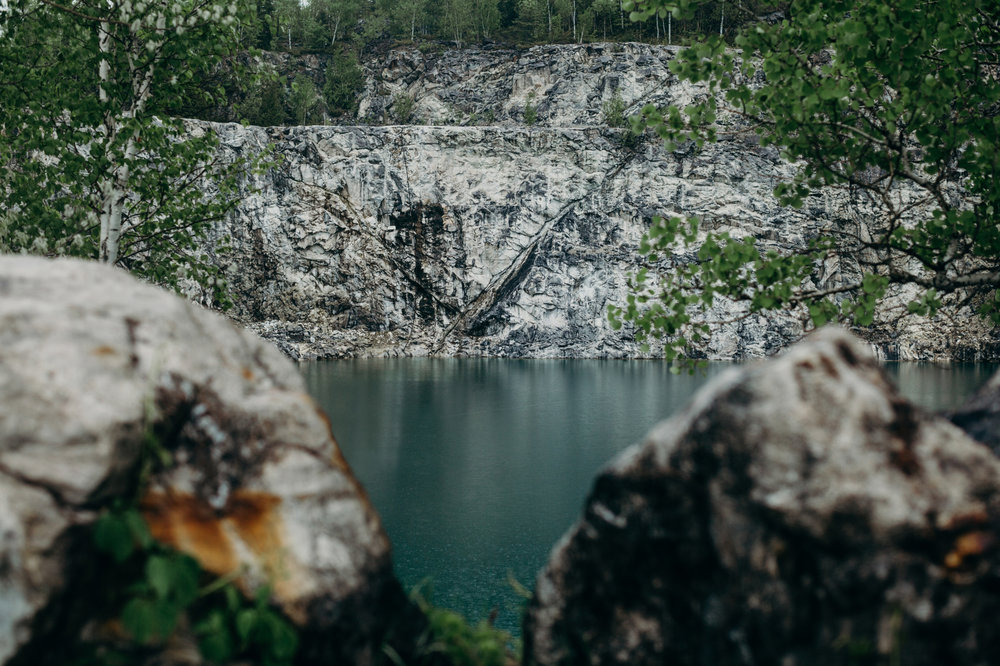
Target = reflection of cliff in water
(939,386)
(477,466)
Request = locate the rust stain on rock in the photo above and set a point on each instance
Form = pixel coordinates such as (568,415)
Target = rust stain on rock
(967,546)
(973,518)
(188,524)
(104,350)
(249,531)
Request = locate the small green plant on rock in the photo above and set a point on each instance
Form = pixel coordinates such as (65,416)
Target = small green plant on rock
(530,110)
(402,107)
(613,111)
(156,587)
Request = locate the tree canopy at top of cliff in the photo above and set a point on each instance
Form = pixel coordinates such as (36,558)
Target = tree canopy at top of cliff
(896,101)
(323,25)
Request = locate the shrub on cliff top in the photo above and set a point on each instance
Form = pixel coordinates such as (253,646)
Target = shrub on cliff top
(344,80)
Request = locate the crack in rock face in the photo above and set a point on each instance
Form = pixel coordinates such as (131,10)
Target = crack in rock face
(502,239)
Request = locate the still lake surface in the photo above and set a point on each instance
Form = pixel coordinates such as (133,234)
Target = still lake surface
(478,466)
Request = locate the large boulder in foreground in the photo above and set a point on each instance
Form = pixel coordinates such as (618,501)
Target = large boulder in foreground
(980,415)
(94,366)
(798,512)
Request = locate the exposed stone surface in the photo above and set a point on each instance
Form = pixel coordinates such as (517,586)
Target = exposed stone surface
(509,240)
(798,512)
(567,84)
(92,361)
(980,415)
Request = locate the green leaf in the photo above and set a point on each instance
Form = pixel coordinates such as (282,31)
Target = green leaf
(160,575)
(245,622)
(185,574)
(138,528)
(217,646)
(818,315)
(141,619)
(284,640)
(113,536)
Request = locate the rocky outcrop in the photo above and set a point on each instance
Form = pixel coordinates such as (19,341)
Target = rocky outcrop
(567,85)
(796,512)
(980,415)
(97,368)
(510,240)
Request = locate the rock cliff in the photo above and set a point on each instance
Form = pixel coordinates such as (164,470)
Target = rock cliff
(508,239)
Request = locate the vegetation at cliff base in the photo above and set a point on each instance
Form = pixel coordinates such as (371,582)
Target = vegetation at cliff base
(895,101)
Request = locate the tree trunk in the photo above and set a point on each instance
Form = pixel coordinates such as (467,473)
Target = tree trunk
(114,188)
(108,195)
(574,21)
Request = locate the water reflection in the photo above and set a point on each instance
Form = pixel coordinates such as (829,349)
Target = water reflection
(478,466)
(939,386)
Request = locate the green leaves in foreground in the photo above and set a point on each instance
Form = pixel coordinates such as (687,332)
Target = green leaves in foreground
(237,630)
(120,532)
(157,586)
(92,162)
(462,643)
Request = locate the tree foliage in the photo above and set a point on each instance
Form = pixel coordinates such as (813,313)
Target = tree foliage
(344,80)
(897,101)
(321,25)
(92,165)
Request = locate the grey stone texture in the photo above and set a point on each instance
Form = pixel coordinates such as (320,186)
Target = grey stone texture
(799,512)
(93,363)
(504,239)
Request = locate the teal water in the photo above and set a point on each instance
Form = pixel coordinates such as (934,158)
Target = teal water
(478,466)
